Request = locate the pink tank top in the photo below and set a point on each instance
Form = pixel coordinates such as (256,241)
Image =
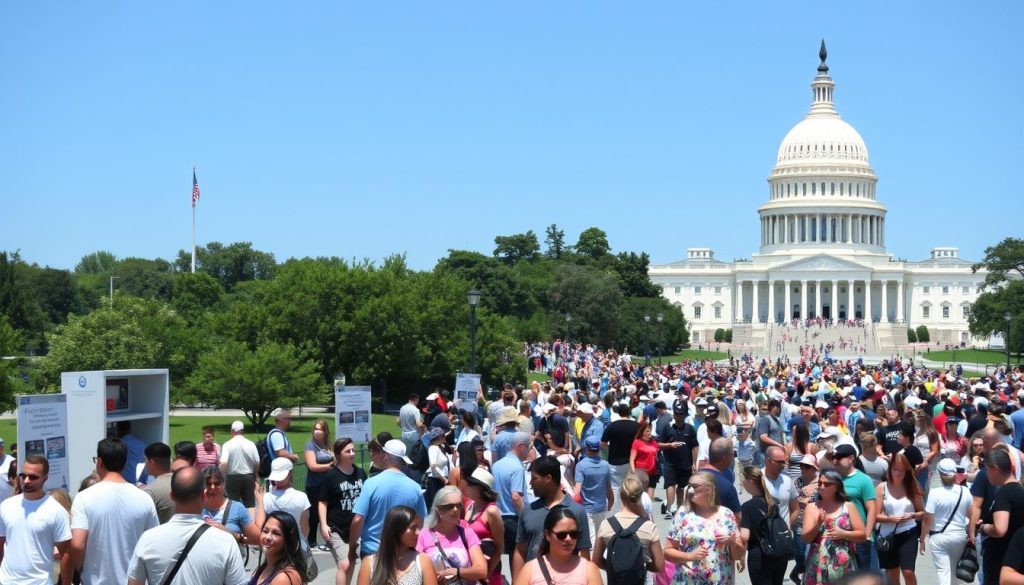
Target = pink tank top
(577,576)
(482,531)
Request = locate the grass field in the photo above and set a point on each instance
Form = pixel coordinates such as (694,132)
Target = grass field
(687,354)
(973,356)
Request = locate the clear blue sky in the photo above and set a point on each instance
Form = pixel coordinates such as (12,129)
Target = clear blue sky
(362,130)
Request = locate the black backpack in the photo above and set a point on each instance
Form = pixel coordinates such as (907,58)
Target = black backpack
(418,456)
(625,555)
(266,456)
(774,536)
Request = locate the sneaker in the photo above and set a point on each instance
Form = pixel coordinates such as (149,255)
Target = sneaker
(323,548)
(664,508)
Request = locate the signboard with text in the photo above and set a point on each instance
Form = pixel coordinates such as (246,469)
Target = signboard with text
(466,386)
(43,430)
(352,413)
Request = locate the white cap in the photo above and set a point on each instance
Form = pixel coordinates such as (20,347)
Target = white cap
(432,396)
(396,448)
(279,468)
(548,407)
(585,408)
(237,426)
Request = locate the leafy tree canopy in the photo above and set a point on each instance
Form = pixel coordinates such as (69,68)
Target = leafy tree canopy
(1003,261)
(516,247)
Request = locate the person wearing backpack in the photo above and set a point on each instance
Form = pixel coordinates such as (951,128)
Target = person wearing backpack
(277,438)
(768,550)
(628,545)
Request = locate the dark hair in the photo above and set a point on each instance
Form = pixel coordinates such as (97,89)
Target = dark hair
(467,459)
(801,436)
(549,466)
(907,430)
(714,426)
(835,477)
(340,444)
(88,481)
(123,427)
(413,396)
(213,472)
(292,552)
(186,450)
(909,480)
(641,428)
(385,563)
(113,453)
(159,453)
(469,419)
(37,460)
(187,485)
(622,410)
(556,515)
(999,459)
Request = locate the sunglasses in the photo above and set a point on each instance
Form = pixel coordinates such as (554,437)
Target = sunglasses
(822,484)
(448,507)
(778,461)
(566,534)
(30,476)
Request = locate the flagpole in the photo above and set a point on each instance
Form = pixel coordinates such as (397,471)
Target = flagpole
(193,225)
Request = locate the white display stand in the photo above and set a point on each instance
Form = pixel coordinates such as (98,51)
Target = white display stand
(96,400)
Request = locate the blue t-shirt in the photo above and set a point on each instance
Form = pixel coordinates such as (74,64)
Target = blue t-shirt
(502,443)
(595,475)
(136,455)
(726,490)
(277,440)
(380,493)
(238,517)
(509,476)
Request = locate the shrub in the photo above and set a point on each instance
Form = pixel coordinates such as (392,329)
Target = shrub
(922,334)
(719,335)
(728,335)
(911,335)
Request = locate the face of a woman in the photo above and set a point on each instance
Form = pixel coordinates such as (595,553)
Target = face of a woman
(318,432)
(827,487)
(647,434)
(348,453)
(449,511)
(214,487)
(272,537)
(412,533)
(563,535)
(698,493)
(898,472)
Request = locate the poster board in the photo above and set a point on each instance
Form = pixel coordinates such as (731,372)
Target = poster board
(352,413)
(466,386)
(43,430)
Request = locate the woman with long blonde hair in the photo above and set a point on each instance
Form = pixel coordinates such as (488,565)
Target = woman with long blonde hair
(704,539)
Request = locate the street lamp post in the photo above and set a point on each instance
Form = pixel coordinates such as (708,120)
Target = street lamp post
(474,297)
(568,334)
(1007,317)
(661,319)
(647,347)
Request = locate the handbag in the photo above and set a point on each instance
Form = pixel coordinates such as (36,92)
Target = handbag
(312,570)
(883,543)
(184,553)
(967,566)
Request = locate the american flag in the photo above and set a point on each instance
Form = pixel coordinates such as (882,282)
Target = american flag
(195,189)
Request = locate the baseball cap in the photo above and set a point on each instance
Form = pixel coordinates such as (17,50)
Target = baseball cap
(396,448)
(947,466)
(809,459)
(237,426)
(712,410)
(585,408)
(431,396)
(679,407)
(279,468)
(593,443)
(826,434)
(846,450)
(548,407)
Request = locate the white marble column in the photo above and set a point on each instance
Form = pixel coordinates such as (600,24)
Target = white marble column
(788,313)
(756,313)
(739,301)
(803,299)
(885,303)
(899,300)
(849,300)
(835,301)
(867,300)
(849,232)
(771,300)
(803,228)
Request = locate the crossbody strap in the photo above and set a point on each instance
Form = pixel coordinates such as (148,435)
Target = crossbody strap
(184,553)
(544,569)
(955,508)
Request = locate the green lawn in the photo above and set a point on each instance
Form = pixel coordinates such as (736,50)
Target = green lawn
(974,356)
(686,354)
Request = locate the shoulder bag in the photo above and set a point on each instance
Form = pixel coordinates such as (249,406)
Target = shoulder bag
(544,569)
(184,553)
(951,514)
(883,543)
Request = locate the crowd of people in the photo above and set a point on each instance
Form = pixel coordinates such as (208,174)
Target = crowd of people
(843,468)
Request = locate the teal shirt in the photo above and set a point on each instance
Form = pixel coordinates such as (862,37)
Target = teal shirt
(859,488)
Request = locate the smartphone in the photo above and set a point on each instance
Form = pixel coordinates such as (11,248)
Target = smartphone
(961,475)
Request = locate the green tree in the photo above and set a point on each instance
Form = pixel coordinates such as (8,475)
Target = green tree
(231,264)
(922,334)
(593,244)
(504,289)
(728,335)
(135,333)
(99,262)
(256,381)
(15,300)
(631,269)
(56,292)
(144,278)
(988,313)
(1003,261)
(554,239)
(634,330)
(719,335)
(590,296)
(194,294)
(911,335)
(10,346)
(512,249)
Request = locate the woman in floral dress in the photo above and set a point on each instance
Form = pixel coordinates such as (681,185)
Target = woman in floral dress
(831,527)
(704,539)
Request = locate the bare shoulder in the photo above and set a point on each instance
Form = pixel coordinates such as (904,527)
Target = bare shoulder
(289,576)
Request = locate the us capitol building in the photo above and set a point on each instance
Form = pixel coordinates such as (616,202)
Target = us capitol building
(822,251)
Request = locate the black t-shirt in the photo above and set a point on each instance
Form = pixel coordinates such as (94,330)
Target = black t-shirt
(754,511)
(340,491)
(683,456)
(619,435)
(1009,498)
(556,425)
(914,456)
(1015,560)
(888,438)
(975,424)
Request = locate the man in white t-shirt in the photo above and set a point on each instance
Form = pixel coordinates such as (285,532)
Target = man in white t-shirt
(410,422)
(214,558)
(31,525)
(108,519)
(240,464)
(283,497)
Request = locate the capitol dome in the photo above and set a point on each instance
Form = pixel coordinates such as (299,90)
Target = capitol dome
(822,188)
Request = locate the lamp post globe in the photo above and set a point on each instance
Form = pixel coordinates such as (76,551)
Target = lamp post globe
(473,297)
